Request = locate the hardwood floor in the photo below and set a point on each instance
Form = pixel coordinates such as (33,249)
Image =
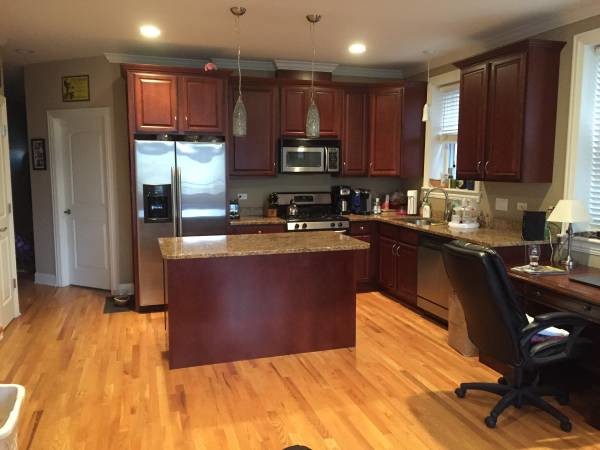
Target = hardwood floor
(100,381)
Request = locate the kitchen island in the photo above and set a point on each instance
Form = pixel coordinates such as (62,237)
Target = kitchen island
(239,297)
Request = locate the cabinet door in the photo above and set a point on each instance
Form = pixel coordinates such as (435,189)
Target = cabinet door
(506,103)
(362,262)
(329,103)
(254,154)
(202,104)
(406,272)
(385,126)
(472,122)
(155,99)
(294,101)
(387,264)
(354,136)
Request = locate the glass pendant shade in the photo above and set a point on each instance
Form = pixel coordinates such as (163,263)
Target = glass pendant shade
(313,121)
(239,118)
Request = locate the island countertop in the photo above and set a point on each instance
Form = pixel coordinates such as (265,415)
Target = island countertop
(198,247)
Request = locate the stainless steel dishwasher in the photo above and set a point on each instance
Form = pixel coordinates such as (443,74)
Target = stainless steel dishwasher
(433,286)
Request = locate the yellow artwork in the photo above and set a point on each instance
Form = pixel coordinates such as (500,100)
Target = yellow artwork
(76,88)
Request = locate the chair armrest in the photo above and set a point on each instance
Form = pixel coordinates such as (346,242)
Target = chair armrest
(556,319)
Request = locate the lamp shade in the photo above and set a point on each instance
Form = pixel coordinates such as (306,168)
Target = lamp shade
(569,211)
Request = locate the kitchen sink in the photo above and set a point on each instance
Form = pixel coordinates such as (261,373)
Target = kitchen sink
(422,221)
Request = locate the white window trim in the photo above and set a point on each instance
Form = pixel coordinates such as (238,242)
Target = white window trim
(458,194)
(581,44)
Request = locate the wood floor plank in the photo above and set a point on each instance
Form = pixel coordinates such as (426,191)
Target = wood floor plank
(101,381)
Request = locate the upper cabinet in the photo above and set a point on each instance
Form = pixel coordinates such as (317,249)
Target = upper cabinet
(202,104)
(167,102)
(155,102)
(294,107)
(255,153)
(507,113)
(396,132)
(354,141)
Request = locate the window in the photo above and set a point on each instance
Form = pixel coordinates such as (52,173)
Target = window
(441,149)
(594,167)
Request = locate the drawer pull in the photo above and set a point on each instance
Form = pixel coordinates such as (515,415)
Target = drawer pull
(587,308)
(259,231)
(538,294)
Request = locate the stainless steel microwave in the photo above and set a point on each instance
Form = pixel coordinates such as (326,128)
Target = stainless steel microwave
(310,156)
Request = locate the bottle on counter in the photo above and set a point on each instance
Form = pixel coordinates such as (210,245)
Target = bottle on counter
(377,206)
(234,209)
(426,210)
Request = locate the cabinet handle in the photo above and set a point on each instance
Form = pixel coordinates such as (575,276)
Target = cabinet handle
(394,248)
(485,168)
(398,249)
(259,231)
(371,164)
(362,228)
(478,166)
(587,308)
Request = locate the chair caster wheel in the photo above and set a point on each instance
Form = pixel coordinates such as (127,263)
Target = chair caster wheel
(490,421)
(566,426)
(502,380)
(460,392)
(562,399)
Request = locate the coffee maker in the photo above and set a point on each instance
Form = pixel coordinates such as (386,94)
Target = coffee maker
(340,197)
(361,201)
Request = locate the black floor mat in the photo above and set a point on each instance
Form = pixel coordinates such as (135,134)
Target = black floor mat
(110,307)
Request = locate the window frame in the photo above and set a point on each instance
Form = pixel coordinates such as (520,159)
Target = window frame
(434,96)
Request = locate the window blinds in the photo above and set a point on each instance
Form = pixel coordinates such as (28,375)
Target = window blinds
(594,189)
(449,112)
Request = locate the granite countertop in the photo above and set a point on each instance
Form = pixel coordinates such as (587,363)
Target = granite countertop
(197,247)
(490,237)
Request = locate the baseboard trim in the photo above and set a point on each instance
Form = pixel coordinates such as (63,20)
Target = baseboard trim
(152,308)
(48,279)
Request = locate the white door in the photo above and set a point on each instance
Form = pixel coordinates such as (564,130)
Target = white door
(80,140)
(9,302)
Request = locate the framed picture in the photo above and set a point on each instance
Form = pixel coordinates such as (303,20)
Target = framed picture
(38,154)
(76,88)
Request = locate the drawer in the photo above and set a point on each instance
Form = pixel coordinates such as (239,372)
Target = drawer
(399,233)
(564,303)
(358,228)
(257,229)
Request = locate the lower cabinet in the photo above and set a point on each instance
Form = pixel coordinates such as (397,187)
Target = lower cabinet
(397,271)
(256,229)
(365,261)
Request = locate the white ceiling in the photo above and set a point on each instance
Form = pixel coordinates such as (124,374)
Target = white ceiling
(396,32)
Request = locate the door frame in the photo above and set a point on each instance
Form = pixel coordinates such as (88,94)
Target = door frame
(11,223)
(58,194)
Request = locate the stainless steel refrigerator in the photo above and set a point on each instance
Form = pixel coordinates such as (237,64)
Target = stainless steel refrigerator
(181,191)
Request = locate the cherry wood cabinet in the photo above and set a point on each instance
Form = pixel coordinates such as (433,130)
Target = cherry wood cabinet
(507,113)
(365,260)
(396,132)
(256,229)
(354,141)
(294,107)
(155,106)
(397,270)
(202,104)
(255,153)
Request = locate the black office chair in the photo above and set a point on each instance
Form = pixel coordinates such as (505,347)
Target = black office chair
(499,328)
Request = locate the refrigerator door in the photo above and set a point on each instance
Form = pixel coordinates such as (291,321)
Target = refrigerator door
(202,194)
(156,213)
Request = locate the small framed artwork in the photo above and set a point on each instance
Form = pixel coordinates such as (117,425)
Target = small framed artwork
(76,88)
(38,154)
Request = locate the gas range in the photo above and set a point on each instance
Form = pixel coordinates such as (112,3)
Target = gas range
(315,212)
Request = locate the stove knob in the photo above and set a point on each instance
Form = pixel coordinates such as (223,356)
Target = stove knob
(296,226)
(339,224)
(332,224)
(304,226)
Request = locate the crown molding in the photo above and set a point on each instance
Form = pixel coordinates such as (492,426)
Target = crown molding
(124,58)
(245,64)
(288,64)
(367,72)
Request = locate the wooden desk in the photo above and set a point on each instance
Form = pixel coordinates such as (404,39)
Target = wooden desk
(556,292)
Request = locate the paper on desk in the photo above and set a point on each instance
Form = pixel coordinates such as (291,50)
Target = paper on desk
(550,331)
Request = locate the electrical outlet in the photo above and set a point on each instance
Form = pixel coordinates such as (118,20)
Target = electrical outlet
(242,196)
(521,206)
(501,204)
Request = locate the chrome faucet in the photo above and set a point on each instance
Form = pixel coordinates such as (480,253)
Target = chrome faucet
(446,201)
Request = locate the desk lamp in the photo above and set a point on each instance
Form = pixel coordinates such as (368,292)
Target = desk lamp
(570,212)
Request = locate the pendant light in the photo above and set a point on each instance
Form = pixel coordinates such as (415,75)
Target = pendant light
(313,121)
(425,117)
(239,111)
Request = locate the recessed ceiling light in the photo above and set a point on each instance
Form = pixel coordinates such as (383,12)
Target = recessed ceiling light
(357,48)
(150,31)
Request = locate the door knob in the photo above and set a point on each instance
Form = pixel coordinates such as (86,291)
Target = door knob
(3,229)
(67,211)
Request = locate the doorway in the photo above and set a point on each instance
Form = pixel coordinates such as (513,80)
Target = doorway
(9,295)
(83,197)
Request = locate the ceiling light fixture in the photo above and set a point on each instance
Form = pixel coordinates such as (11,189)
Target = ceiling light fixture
(239,111)
(357,48)
(313,121)
(150,31)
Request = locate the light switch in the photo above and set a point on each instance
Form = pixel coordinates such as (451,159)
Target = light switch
(501,204)
(521,206)
(242,196)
